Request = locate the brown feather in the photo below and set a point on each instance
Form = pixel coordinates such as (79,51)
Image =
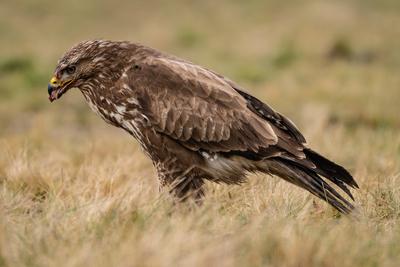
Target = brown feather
(195,124)
(213,107)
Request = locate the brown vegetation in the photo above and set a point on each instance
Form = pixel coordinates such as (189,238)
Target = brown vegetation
(76,192)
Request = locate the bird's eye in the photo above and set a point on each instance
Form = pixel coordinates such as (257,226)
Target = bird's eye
(70,70)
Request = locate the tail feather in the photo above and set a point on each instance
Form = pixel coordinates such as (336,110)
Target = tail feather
(317,170)
(337,174)
(310,180)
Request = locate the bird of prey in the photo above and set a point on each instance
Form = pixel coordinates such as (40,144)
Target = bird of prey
(193,123)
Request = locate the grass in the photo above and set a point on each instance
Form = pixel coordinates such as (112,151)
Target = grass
(77,192)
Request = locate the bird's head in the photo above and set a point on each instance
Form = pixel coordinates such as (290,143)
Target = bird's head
(86,61)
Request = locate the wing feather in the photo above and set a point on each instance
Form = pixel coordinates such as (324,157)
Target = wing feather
(197,108)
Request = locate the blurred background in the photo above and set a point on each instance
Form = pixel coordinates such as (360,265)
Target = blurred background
(75,191)
(337,59)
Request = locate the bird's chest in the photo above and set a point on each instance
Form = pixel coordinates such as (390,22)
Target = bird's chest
(113,113)
(124,116)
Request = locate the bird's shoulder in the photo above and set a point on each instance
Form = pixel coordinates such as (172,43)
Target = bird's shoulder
(206,82)
(193,105)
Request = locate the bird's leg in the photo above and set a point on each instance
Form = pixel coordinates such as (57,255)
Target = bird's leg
(183,185)
(186,188)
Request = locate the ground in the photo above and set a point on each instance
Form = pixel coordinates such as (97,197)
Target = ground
(77,192)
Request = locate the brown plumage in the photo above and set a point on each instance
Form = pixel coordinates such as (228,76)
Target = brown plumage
(193,123)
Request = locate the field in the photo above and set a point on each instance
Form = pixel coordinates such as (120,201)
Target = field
(75,191)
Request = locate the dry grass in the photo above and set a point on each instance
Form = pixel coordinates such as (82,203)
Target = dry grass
(76,192)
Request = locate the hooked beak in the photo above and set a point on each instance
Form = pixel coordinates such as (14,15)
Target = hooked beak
(57,88)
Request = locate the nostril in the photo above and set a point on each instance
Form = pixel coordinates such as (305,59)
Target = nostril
(54,81)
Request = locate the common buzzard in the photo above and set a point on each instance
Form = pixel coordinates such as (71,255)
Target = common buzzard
(193,123)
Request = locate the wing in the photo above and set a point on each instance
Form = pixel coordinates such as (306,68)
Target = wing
(197,108)
(267,113)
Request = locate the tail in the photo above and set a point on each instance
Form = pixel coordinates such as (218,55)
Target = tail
(310,177)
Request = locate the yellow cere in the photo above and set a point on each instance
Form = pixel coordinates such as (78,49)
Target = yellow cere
(54,81)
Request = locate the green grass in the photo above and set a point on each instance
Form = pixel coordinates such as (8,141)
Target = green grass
(77,192)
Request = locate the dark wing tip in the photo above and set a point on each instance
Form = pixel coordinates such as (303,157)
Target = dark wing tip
(330,170)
